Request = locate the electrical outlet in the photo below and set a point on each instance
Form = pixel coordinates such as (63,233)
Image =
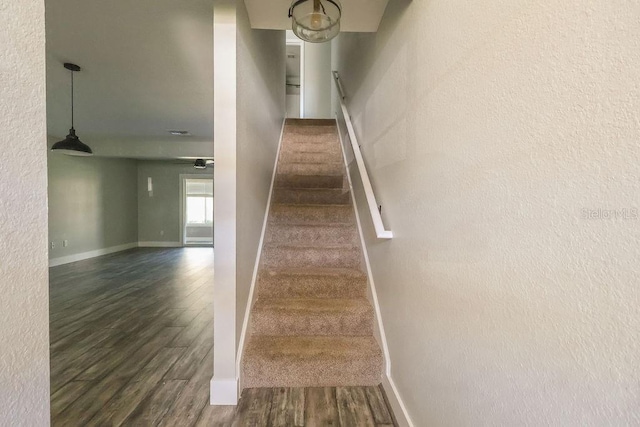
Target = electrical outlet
(65,243)
(53,245)
(162,232)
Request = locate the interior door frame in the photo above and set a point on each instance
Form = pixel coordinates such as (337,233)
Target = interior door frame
(183,208)
(300,43)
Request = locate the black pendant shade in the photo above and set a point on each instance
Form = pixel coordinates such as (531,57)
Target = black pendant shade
(72,145)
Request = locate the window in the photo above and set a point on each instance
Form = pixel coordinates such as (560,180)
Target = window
(199,194)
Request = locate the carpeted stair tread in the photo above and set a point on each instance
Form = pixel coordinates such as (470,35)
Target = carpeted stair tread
(311,196)
(312,283)
(312,316)
(351,273)
(300,156)
(335,256)
(312,234)
(305,361)
(306,168)
(313,147)
(309,181)
(299,213)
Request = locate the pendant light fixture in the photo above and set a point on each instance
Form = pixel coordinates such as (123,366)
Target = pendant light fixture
(315,21)
(71,145)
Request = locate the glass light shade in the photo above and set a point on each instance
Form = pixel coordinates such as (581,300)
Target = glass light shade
(72,146)
(200,164)
(315,21)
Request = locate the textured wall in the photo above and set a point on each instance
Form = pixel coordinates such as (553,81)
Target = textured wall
(162,211)
(260,111)
(24,312)
(93,203)
(489,128)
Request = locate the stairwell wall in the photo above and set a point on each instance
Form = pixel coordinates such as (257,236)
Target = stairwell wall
(261,56)
(502,142)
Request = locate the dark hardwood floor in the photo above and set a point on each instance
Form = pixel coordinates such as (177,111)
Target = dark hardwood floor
(131,344)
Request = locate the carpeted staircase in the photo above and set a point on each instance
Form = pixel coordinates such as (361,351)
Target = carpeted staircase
(311,324)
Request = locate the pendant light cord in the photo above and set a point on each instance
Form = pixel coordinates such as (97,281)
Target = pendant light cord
(72,99)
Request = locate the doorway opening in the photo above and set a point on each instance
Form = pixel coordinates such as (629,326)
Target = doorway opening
(197,218)
(295,79)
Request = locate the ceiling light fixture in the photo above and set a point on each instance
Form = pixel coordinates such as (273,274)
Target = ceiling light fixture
(200,164)
(72,145)
(315,21)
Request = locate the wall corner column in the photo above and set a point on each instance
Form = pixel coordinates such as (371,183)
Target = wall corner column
(224,384)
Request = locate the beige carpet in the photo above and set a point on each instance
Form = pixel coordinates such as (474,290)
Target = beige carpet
(311,324)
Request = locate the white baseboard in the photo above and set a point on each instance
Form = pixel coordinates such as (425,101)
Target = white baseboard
(223,391)
(159,244)
(396,403)
(54,262)
(199,240)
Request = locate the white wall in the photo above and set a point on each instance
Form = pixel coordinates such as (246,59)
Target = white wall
(24,306)
(249,98)
(93,204)
(261,108)
(317,81)
(488,128)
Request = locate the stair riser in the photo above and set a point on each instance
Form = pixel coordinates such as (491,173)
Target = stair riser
(311,257)
(357,372)
(310,130)
(310,169)
(311,138)
(306,123)
(306,157)
(318,214)
(312,197)
(283,286)
(309,181)
(312,147)
(311,235)
(289,324)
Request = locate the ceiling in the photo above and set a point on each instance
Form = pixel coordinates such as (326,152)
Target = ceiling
(147,67)
(357,15)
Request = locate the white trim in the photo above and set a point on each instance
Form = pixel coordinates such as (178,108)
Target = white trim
(396,403)
(54,262)
(223,391)
(364,175)
(159,244)
(247,313)
(199,240)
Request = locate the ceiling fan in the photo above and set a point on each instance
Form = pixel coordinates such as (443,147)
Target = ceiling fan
(197,162)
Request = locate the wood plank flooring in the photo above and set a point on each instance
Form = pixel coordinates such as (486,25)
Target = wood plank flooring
(132,345)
